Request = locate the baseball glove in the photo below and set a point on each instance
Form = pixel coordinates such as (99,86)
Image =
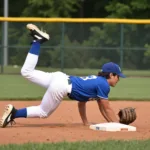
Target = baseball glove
(127,115)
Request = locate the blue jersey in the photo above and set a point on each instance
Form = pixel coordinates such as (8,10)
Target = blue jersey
(85,88)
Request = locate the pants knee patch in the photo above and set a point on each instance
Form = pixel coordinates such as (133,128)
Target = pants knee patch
(26,73)
(43,114)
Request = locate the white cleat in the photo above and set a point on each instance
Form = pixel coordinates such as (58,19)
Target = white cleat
(7,116)
(37,34)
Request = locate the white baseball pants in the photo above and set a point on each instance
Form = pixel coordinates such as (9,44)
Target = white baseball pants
(56,84)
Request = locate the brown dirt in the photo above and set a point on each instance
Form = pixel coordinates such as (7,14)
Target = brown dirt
(65,124)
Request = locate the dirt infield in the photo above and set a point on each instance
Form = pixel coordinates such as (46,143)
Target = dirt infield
(65,124)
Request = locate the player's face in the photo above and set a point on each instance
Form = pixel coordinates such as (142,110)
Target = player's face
(113,80)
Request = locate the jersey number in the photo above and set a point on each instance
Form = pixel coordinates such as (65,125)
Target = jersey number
(89,77)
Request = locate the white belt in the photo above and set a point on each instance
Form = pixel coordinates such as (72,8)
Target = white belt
(69,86)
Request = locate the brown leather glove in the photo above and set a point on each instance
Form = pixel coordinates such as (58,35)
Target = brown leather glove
(127,115)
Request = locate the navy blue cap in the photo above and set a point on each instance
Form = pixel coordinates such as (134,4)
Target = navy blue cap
(112,68)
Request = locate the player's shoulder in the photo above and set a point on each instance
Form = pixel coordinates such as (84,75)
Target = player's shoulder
(103,82)
(103,79)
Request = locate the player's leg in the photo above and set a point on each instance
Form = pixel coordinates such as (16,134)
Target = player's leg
(58,88)
(28,70)
(51,100)
(56,83)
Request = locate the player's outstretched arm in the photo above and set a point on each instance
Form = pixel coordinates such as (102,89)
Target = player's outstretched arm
(107,111)
(82,112)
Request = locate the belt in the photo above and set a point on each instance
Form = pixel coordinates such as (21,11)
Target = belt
(69,83)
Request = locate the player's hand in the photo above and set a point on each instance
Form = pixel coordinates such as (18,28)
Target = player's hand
(88,123)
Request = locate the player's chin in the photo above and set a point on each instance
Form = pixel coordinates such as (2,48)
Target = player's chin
(113,85)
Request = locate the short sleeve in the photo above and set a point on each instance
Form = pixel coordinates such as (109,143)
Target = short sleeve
(103,90)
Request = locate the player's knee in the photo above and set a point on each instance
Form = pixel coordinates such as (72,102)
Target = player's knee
(25,73)
(43,114)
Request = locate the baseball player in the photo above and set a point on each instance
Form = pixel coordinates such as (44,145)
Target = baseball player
(58,85)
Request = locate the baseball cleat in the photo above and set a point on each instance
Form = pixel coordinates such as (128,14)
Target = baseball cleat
(38,34)
(7,116)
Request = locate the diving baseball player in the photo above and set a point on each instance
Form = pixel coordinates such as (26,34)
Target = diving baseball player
(59,84)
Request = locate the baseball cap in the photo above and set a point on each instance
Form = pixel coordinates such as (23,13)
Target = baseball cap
(111,67)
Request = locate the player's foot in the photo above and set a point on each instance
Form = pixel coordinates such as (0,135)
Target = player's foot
(7,116)
(37,34)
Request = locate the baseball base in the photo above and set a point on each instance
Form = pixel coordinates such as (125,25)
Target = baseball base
(112,126)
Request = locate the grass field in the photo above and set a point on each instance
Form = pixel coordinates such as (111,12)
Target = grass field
(76,71)
(16,87)
(105,145)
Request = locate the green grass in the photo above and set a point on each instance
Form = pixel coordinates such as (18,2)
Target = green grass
(16,87)
(13,87)
(131,88)
(77,71)
(103,145)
